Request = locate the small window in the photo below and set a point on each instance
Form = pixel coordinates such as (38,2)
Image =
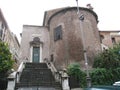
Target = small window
(113,40)
(1,29)
(1,33)
(58,33)
(101,38)
(52,58)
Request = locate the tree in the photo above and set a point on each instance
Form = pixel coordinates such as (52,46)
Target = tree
(6,61)
(109,59)
(107,66)
(6,64)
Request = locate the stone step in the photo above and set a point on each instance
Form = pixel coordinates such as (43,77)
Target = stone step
(37,75)
(39,88)
(36,65)
(57,86)
(28,84)
(36,71)
(37,80)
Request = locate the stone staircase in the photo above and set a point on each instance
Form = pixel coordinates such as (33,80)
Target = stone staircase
(37,75)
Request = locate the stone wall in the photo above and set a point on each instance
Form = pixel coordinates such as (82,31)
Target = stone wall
(70,48)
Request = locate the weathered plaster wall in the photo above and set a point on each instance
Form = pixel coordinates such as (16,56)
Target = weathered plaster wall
(29,32)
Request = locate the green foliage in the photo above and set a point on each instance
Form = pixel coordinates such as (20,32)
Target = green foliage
(106,66)
(75,71)
(109,59)
(102,76)
(116,74)
(6,61)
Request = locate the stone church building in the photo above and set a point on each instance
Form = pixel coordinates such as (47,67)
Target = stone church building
(59,40)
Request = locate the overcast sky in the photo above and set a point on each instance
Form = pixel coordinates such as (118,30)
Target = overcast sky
(31,12)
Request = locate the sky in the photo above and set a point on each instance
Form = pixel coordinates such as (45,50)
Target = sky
(30,12)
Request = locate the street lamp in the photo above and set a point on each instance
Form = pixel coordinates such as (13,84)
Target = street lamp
(81,18)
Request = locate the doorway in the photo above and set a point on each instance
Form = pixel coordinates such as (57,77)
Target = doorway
(36,55)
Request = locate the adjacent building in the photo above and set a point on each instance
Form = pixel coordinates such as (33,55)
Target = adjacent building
(109,38)
(10,38)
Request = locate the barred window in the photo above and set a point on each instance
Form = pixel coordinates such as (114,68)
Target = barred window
(58,33)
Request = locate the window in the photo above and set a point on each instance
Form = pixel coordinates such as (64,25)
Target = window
(58,33)
(101,38)
(113,40)
(52,58)
(1,32)
(1,29)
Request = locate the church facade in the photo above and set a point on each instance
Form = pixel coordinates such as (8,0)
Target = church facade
(59,40)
